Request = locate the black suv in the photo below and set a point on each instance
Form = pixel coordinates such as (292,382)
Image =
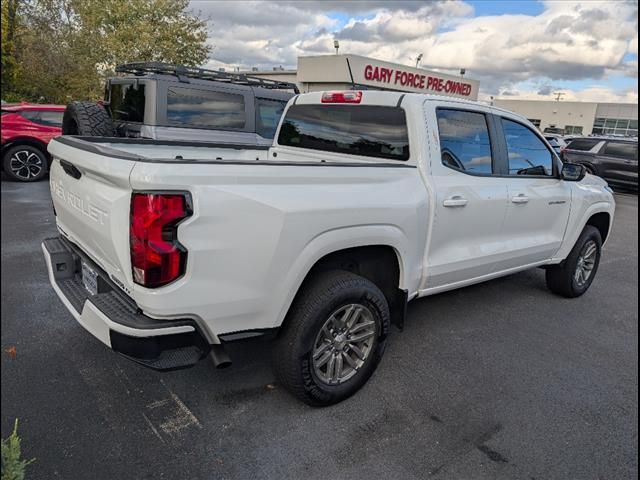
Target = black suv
(614,159)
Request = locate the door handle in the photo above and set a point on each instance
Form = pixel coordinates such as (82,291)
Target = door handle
(455,201)
(521,198)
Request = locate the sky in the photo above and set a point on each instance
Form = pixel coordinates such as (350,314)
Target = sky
(517,49)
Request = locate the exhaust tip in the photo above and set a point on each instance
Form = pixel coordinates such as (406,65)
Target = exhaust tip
(219,356)
(222,365)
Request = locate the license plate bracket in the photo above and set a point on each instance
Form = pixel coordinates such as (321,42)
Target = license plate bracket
(89,279)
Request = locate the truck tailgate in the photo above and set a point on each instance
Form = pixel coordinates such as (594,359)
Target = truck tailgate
(91,196)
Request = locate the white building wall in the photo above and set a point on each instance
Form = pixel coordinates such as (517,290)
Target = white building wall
(617,110)
(554,114)
(583,114)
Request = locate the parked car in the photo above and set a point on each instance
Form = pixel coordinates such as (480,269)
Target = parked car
(614,159)
(172,102)
(556,141)
(26,130)
(366,200)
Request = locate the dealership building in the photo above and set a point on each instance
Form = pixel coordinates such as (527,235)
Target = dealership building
(584,118)
(344,72)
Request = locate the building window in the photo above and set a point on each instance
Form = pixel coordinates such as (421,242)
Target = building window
(615,126)
(573,130)
(535,121)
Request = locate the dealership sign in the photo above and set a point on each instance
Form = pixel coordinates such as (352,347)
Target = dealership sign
(390,76)
(338,71)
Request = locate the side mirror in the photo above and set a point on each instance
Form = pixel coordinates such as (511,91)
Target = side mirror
(573,172)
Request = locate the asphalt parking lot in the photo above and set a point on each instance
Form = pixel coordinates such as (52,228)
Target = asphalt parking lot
(500,380)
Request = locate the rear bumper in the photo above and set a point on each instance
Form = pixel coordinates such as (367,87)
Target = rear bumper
(114,319)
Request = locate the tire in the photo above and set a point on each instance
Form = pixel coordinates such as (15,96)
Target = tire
(25,163)
(563,279)
(87,119)
(327,293)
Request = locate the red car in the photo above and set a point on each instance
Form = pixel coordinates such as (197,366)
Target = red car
(27,128)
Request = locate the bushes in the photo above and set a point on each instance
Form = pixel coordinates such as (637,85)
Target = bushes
(13,467)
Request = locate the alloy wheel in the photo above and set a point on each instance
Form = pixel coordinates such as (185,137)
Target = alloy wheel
(26,164)
(586,263)
(344,343)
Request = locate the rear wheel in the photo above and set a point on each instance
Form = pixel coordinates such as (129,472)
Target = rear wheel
(87,119)
(574,276)
(25,163)
(333,339)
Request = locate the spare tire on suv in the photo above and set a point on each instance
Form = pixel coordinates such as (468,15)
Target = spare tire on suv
(87,119)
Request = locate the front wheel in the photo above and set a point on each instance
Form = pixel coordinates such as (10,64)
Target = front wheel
(574,276)
(25,163)
(333,338)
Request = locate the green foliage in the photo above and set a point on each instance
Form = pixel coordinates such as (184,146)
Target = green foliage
(13,467)
(66,48)
(7,35)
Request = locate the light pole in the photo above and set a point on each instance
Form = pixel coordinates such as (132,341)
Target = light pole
(418,58)
(336,45)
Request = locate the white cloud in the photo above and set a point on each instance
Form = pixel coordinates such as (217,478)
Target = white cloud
(567,41)
(260,34)
(595,93)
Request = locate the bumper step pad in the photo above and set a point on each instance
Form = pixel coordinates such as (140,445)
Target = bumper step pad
(157,351)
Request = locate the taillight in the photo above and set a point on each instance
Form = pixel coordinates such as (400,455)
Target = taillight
(157,258)
(342,97)
(562,152)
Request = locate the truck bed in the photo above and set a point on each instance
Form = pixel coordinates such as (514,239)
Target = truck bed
(139,149)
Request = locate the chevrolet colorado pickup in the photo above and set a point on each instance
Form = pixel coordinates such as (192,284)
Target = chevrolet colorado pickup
(366,200)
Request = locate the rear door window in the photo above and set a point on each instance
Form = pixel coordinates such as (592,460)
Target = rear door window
(367,130)
(464,141)
(268,113)
(528,154)
(205,109)
(127,102)
(628,151)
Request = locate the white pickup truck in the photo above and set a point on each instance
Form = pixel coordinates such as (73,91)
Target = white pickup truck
(365,201)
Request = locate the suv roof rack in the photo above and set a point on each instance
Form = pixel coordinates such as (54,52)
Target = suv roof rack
(181,71)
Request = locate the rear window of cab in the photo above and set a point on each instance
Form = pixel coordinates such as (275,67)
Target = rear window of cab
(365,130)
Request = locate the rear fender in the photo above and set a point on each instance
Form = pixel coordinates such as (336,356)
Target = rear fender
(340,239)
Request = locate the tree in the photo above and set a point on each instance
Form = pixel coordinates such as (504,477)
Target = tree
(7,43)
(143,30)
(70,46)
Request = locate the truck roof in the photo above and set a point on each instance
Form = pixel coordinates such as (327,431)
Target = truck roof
(391,98)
